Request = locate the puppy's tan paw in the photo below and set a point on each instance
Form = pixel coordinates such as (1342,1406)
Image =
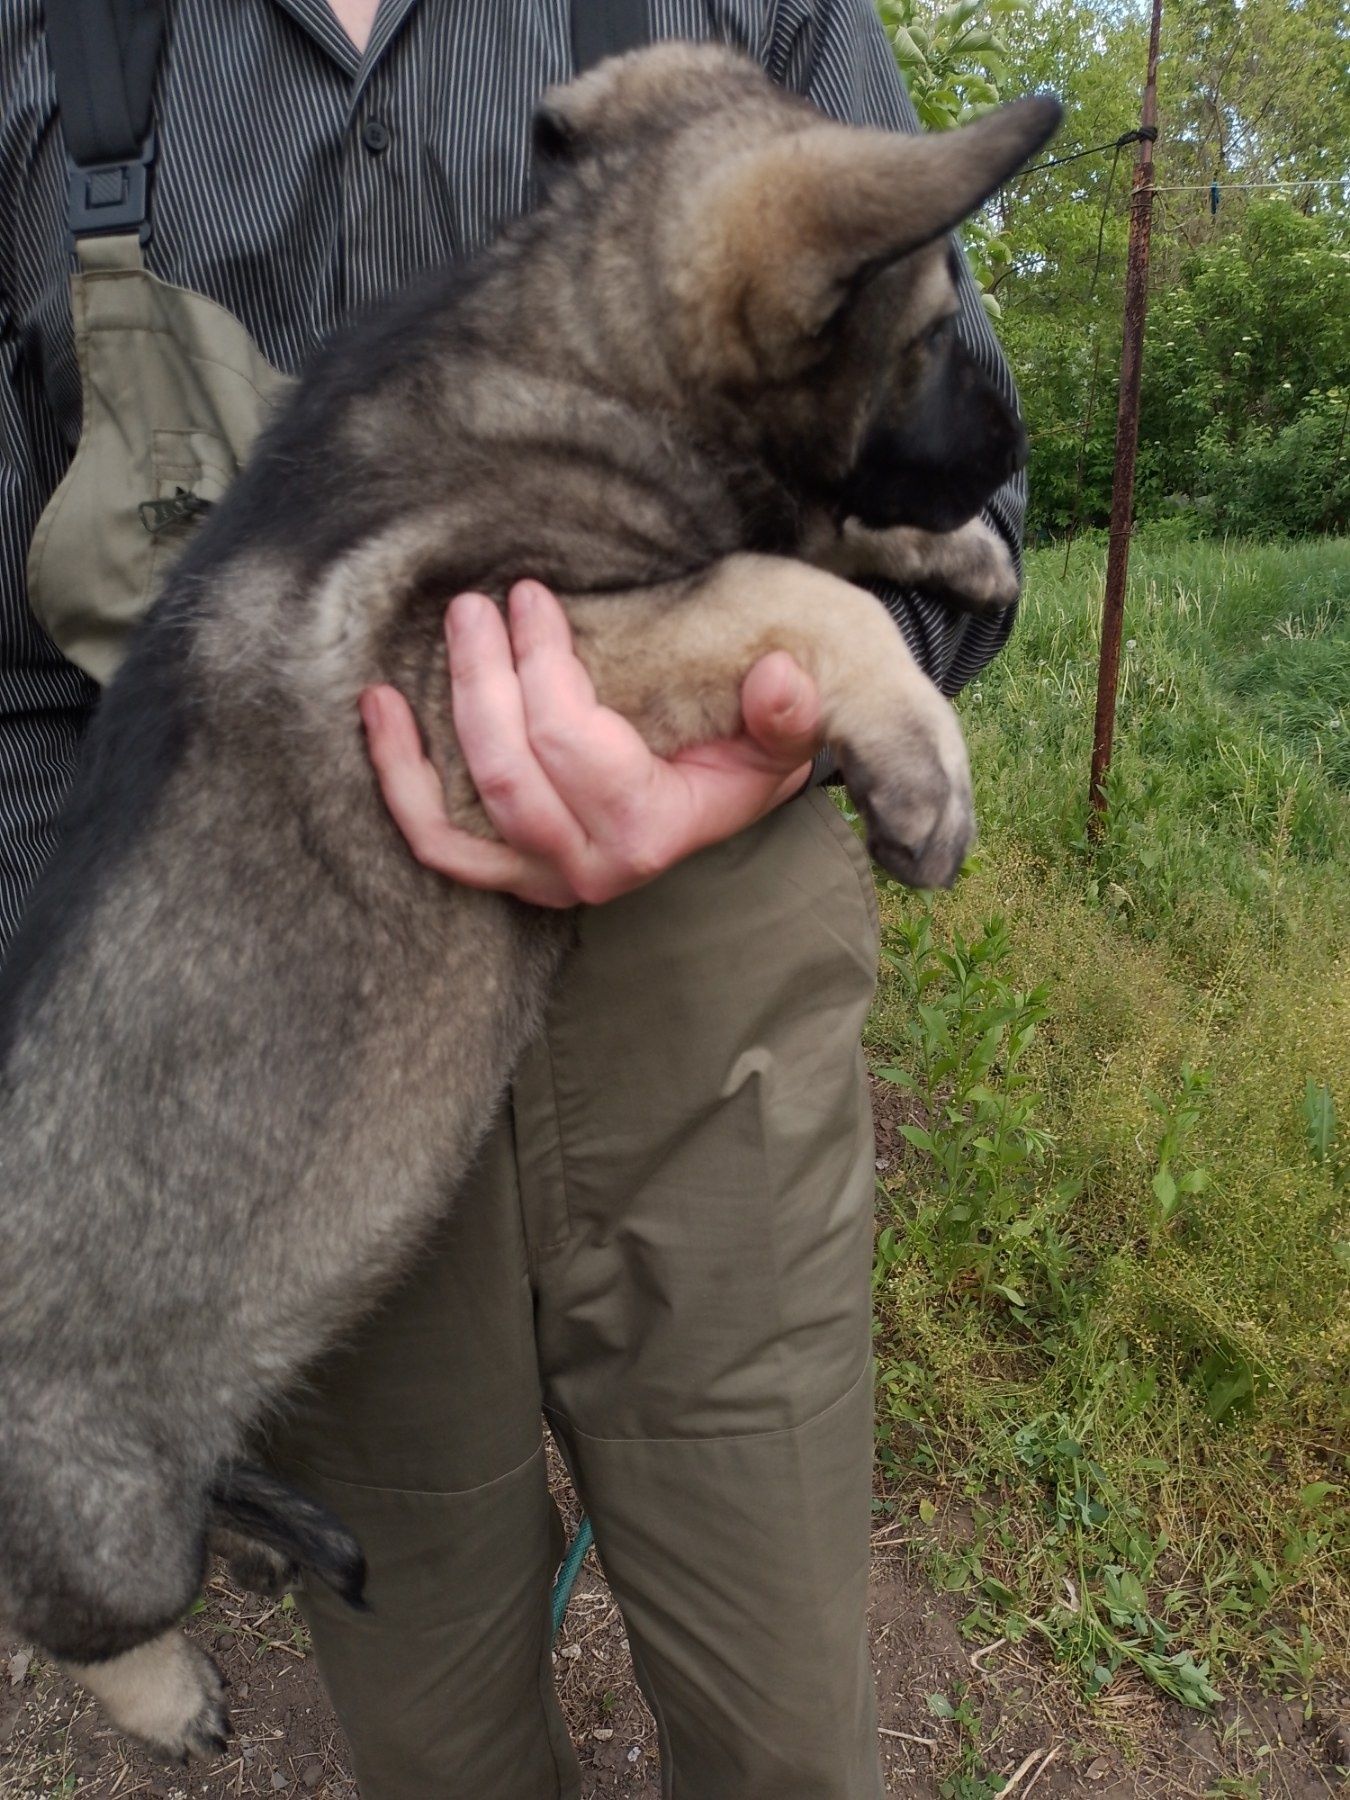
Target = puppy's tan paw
(183,1720)
(205,1731)
(167,1693)
(979,568)
(912,786)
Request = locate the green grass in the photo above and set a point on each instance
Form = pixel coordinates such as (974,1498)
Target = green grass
(1114,1274)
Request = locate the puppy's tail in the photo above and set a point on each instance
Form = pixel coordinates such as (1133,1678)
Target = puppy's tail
(248,1500)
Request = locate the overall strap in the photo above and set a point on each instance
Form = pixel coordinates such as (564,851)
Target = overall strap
(603,28)
(103,55)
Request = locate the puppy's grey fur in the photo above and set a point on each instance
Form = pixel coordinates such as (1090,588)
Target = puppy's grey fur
(248,1044)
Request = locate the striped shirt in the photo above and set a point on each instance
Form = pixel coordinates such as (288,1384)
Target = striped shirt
(297,182)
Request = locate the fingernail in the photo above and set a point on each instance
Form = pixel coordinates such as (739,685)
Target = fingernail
(794,692)
(466,611)
(524,598)
(368,704)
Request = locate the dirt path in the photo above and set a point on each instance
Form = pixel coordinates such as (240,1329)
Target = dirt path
(1020,1716)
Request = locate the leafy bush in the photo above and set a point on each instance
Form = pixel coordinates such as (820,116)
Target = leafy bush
(1265,482)
(1246,396)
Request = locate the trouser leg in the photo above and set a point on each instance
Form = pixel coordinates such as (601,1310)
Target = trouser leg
(697,1172)
(424,1436)
(689,1151)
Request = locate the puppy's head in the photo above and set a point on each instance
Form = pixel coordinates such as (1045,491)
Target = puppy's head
(801,272)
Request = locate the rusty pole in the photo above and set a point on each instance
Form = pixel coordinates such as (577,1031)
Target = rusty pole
(1127,433)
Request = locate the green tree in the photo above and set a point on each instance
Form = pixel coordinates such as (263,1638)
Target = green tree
(1248,378)
(1245,358)
(1249,91)
(953,58)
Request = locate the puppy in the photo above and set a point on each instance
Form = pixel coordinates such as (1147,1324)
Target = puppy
(247,1045)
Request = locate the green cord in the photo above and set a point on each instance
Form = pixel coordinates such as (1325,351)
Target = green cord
(566,1577)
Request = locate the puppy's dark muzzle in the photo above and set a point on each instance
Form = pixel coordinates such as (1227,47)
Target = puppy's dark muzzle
(941,454)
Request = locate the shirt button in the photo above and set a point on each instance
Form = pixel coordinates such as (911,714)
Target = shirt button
(375,135)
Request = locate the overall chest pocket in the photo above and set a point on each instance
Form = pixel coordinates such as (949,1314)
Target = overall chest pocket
(174,394)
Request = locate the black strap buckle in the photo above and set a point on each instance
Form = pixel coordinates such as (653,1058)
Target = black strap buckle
(108,197)
(181,506)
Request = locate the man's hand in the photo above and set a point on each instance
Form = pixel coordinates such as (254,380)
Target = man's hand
(584,810)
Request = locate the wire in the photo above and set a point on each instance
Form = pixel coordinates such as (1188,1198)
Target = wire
(567,1574)
(1192,187)
(1188,187)
(1122,142)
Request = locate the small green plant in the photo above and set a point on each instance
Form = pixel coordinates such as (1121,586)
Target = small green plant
(1104,1623)
(989,1214)
(969,1780)
(1320,1127)
(1293,1665)
(1173,1186)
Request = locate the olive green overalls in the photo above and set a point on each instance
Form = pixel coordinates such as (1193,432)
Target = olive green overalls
(665,1248)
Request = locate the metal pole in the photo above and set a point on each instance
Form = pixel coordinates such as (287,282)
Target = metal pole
(1127,434)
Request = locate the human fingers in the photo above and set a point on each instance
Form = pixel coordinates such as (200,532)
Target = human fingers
(597,761)
(488,707)
(780,705)
(413,793)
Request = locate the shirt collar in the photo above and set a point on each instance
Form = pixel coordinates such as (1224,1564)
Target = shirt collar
(317,19)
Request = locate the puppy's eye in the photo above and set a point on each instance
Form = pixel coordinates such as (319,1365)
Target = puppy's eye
(937,333)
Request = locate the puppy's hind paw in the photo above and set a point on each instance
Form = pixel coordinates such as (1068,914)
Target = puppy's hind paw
(206,1733)
(197,1725)
(167,1693)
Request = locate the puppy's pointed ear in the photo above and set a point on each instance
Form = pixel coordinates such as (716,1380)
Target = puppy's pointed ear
(950,174)
(792,223)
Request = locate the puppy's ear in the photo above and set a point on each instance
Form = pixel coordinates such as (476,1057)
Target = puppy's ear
(950,174)
(626,98)
(791,224)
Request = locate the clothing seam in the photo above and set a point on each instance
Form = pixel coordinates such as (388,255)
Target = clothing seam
(190,356)
(369,1487)
(737,1437)
(865,879)
(555,1244)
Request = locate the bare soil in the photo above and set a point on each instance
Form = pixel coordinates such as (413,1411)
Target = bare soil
(1130,1745)
(1031,1727)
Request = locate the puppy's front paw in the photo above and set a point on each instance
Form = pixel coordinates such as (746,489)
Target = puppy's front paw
(971,567)
(913,789)
(977,568)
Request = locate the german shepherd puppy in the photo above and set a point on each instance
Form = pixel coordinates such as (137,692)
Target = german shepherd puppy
(248,1045)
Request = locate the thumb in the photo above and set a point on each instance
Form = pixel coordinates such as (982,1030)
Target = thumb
(781,707)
